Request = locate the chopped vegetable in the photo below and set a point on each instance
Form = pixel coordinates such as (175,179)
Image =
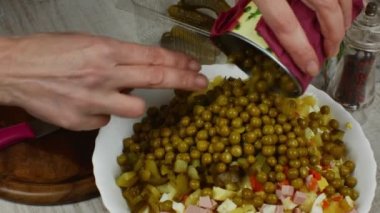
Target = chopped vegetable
(226,206)
(241,146)
(220,194)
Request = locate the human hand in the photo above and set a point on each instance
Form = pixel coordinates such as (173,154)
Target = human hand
(334,17)
(76,80)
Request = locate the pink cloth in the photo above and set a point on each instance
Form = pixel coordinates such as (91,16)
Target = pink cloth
(308,20)
(310,24)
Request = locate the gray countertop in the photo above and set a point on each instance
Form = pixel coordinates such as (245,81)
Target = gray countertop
(20,17)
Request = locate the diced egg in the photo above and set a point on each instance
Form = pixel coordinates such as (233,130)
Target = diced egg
(288,204)
(317,205)
(178,207)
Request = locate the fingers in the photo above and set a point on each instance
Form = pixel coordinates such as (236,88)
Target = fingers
(136,54)
(346,6)
(123,105)
(332,22)
(91,122)
(157,77)
(289,32)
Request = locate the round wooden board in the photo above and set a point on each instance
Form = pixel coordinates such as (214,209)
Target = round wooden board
(54,169)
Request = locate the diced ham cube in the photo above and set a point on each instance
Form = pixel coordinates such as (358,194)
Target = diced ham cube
(299,197)
(205,202)
(214,204)
(279,194)
(287,190)
(353,211)
(196,209)
(279,209)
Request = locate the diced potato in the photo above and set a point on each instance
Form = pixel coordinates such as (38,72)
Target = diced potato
(309,134)
(334,208)
(127,179)
(196,163)
(317,140)
(220,194)
(238,210)
(178,207)
(268,208)
(226,206)
(193,198)
(308,203)
(350,202)
(168,189)
(180,166)
(309,100)
(288,204)
(192,172)
(317,205)
(249,208)
(322,184)
(345,205)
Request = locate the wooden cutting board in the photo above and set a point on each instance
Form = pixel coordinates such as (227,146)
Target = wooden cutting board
(54,169)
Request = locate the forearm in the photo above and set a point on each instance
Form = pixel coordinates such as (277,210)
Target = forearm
(6,58)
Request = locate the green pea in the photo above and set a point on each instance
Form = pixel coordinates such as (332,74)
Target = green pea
(221,168)
(271,161)
(268,150)
(303,172)
(248,149)
(202,145)
(293,173)
(249,137)
(271,199)
(297,183)
(232,113)
(236,151)
(247,194)
(194,184)
(295,163)
(237,122)
(226,157)
(224,131)
(257,202)
(235,137)
(351,181)
(256,122)
(183,147)
(206,159)
(195,154)
(262,177)
(269,187)
(280,176)
(329,190)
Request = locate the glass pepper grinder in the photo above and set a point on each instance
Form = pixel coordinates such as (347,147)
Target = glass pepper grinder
(353,84)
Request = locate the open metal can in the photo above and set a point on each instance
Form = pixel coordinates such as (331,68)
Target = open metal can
(240,33)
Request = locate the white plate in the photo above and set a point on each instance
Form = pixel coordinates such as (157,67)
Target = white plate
(109,144)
